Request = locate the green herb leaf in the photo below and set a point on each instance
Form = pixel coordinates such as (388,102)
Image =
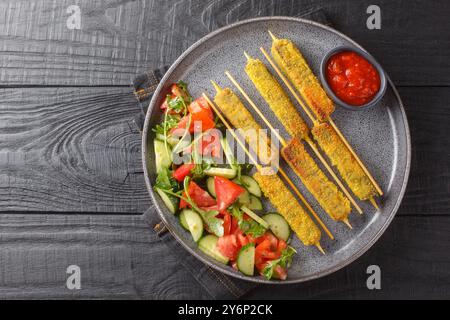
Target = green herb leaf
(284,261)
(251,227)
(165,181)
(171,121)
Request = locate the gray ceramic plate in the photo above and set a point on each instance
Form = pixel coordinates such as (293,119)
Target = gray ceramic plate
(379,135)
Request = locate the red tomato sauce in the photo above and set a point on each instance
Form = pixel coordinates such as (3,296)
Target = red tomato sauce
(352,78)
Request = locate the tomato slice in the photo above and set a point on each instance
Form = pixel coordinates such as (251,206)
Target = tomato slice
(228,246)
(183,204)
(178,92)
(227,192)
(183,171)
(210,145)
(200,105)
(181,126)
(234,226)
(280,273)
(200,197)
(226,223)
(281,245)
(201,122)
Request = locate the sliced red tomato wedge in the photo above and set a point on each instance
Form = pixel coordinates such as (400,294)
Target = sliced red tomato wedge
(200,105)
(183,171)
(200,197)
(226,223)
(209,145)
(177,91)
(280,273)
(181,126)
(228,246)
(226,192)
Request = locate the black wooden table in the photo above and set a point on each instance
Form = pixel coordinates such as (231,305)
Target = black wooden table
(71,185)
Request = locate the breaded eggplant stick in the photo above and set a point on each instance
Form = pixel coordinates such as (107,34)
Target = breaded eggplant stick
(327,194)
(296,68)
(284,109)
(344,161)
(335,204)
(235,111)
(280,196)
(283,200)
(274,95)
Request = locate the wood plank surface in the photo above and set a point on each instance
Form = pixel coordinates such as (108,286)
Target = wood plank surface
(119,39)
(122,258)
(70,150)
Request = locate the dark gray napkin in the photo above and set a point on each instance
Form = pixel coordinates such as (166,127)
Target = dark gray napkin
(218,285)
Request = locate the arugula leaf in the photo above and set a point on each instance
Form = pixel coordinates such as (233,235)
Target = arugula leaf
(252,228)
(284,261)
(171,121)
(165,181)
(177,104)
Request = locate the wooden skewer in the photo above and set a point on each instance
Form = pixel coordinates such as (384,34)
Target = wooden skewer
(374,203)
(292,185)
(347,223)
(272,36)
(242,145)
(284,143)
(307,111)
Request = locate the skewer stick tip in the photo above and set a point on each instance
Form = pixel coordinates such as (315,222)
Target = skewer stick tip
(272,35)
(320,248)
(247,55)
(347,223)
(374,203)
(216,86)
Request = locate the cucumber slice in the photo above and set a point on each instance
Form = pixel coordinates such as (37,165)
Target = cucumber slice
(194,223)
(246,259)
(183,222)
(227,151)
(221,172)
(171,202)
(278,225)
(255,217)
(163,156)
(244,198)
(254,203)
(210,186)
(251,185)
(208,244)
(170,139)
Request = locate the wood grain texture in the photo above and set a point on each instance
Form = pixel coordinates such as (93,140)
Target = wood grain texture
(70,150)
(123,259)
(121,38)
(428,111)
(119,257)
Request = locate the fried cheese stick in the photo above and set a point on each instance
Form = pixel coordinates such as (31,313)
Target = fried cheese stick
(335,204)
(295,67)
(346,164)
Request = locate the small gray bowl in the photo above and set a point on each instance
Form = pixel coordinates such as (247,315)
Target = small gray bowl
(368,57)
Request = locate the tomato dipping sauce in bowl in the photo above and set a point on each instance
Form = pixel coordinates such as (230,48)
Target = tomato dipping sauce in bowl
(353,78)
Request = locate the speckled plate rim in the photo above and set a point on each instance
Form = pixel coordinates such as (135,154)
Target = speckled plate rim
(218,267)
